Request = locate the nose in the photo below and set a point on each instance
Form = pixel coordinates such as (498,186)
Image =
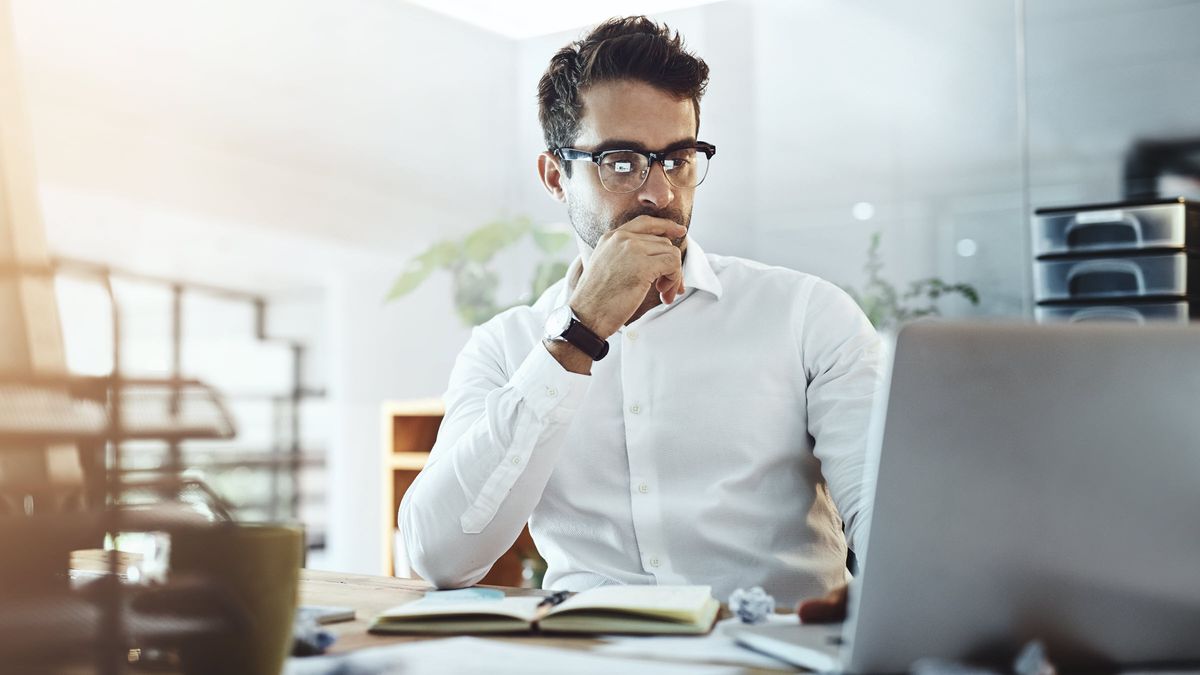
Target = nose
(657,191)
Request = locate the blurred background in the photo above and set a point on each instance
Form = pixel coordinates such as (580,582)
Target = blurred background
(265,185)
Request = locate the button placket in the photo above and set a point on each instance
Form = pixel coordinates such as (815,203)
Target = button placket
(643,471)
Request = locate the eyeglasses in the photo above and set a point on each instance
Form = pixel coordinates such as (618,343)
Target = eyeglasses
(624,171)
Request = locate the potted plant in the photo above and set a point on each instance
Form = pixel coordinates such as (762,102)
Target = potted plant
(470,263)
(887,308)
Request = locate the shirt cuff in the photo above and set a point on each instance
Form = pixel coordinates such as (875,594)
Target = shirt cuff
(546,387)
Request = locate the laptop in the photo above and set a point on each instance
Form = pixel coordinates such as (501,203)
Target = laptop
(1031,482)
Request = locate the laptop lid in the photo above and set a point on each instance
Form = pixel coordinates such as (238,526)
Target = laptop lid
(1034,482)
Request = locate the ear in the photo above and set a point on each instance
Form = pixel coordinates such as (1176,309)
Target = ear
(550,171)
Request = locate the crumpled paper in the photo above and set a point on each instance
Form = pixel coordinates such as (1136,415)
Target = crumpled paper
(751,606)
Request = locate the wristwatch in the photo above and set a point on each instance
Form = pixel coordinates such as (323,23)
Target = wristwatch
(562,324)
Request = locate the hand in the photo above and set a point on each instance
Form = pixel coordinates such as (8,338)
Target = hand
(627,262)
(828,609)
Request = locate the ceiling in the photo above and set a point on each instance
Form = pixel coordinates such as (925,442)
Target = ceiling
(519,19)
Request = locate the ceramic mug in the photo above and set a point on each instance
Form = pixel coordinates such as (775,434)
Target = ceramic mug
(254,571)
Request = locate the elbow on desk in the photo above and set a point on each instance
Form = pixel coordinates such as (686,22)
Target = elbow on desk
(444,581)
(446,571)
(436,558)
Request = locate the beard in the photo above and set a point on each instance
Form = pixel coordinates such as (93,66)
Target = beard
(590,227)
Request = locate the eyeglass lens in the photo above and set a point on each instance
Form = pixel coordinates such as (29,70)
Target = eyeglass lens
(627,171)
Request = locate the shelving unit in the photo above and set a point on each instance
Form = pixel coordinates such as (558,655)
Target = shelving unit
(409,431)
(94,625)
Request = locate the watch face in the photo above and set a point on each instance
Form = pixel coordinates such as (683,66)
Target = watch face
(557,322)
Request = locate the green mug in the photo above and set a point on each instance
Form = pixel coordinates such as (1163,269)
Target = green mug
(256,568)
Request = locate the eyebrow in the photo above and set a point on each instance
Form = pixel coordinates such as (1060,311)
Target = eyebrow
(623,144)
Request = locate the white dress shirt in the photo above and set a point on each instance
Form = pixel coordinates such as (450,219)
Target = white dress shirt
(717,442)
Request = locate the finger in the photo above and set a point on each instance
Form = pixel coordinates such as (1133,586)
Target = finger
(672,296)
(667,268)
(820,611)
(653,240)
(828,609)
(652,232)
(670,287)
(661,227)
(666,288)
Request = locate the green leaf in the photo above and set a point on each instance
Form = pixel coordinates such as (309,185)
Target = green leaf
(968,291)
(444,255)
(475,293)
(547,274)
(416,271)
(551,238)
(483,243)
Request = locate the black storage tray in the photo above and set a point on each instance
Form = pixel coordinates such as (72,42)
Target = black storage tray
(1106,228)
(1139,313)
(1162,276)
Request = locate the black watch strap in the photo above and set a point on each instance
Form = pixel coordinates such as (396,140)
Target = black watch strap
(588,342)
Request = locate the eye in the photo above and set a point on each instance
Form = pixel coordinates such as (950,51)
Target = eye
(622,166)
(679,160)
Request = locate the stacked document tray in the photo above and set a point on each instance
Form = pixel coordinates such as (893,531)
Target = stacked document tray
(1132,262)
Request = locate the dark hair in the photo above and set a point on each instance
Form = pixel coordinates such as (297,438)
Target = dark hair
(630,48)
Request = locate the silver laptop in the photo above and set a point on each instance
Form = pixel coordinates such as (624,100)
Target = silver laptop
(1033,482)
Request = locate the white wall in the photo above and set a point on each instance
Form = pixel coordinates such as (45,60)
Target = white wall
(281,147)
(311,146)
(1102,75)
(816,106)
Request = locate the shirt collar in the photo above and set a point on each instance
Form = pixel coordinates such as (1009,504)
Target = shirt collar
(698,274)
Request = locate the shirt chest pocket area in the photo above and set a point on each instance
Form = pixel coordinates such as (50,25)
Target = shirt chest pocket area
(733,425)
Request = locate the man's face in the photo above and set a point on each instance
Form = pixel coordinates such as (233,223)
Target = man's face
(628,115)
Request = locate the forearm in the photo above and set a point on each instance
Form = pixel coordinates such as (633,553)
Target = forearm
(494,455)
(569,356)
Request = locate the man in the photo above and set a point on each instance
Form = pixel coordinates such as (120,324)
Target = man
(661,415)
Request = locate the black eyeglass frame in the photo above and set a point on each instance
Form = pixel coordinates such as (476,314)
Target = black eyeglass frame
(574,154)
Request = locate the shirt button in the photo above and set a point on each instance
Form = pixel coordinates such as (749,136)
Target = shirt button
(516,460)
(632,335)
(551,391)
(654,562)
(635,408)
(643,488)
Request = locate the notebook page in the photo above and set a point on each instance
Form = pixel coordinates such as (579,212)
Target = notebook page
(680,601)
(523,608)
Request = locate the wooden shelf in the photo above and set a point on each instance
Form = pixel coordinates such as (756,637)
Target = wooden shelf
(408,461)
(409,430)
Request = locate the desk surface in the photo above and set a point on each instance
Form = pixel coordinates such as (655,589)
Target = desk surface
(370,595)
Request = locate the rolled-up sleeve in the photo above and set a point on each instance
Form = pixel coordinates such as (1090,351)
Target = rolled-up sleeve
(843,360)
(495,451)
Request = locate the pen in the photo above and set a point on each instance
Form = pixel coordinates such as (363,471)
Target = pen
(554,598)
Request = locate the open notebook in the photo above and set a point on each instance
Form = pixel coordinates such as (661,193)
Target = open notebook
(608,609)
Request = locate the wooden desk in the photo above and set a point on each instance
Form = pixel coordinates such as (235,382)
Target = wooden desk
(370,595)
